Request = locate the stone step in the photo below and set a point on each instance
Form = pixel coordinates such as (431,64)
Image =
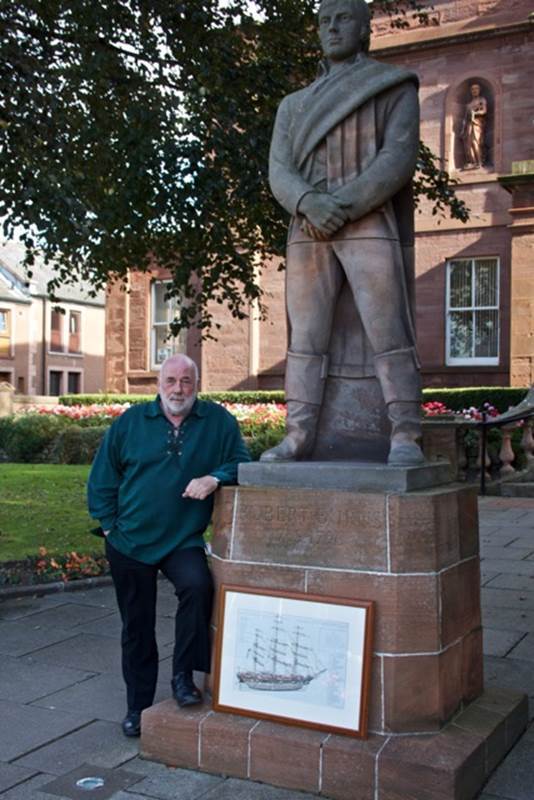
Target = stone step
(525,489)
(450,765)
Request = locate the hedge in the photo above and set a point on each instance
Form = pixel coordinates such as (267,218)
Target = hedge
(502,397)
(247,398)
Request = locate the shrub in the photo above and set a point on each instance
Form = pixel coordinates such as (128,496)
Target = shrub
(502,397)
(29,437)
(77,445)
(219,397)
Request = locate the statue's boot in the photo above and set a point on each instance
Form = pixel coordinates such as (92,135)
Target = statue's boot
(400,379)
(305,379)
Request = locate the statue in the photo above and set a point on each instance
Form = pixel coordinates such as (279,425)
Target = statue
(473,129)
(343,154)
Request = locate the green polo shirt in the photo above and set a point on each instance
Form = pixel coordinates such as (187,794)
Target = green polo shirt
(142,468)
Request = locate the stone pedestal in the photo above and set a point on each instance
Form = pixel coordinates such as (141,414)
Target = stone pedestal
(434,735)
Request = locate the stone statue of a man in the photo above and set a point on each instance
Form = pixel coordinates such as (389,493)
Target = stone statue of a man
(343,154)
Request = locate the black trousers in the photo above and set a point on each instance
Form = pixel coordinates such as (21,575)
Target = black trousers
(136,590)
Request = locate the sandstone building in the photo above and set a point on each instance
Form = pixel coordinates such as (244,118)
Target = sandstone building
(475,281)
(43,351)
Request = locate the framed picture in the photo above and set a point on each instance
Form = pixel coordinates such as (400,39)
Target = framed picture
(295,658)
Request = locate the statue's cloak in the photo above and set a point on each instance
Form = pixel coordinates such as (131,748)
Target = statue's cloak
(308,117)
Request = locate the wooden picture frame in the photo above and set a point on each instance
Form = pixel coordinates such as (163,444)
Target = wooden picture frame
(296,658)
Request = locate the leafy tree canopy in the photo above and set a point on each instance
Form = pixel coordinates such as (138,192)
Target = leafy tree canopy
(135,133)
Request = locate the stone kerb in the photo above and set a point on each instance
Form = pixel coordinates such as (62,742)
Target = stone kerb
(414,554)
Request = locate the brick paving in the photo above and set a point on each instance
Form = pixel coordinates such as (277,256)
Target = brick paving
(62,698)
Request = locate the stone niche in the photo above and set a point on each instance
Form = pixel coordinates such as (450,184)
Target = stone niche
(459,97)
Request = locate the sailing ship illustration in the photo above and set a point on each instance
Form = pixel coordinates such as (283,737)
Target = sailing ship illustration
(281,662)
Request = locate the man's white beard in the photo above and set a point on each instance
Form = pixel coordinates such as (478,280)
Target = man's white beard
(178,408)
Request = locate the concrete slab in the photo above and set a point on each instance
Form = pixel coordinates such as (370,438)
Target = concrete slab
(510,567)
(504,580)
(66,614)
(510,673)
(499,643)
(30,790)
(10,775)
(23,728)
(23,679)
(487,577)
(100,743)
(163,783)
(101,597)
(502,538)
(94,653)
(235,789)
(111,626)
(350,476)
(18,640)
(524,649)
(113,781)
(100,697)
(510,619)
(20,607)
(507,598)
(513,779)
(495,551)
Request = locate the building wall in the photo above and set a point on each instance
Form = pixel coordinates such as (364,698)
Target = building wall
(446,66)
(15,366)
(32,358)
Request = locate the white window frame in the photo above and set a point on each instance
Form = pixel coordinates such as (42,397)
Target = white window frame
(451,361)
(153,325)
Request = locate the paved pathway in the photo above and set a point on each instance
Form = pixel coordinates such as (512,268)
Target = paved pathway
(62,699)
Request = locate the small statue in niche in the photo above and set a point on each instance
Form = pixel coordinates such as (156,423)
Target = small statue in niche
(473,129)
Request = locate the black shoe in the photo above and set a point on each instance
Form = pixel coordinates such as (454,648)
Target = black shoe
(131,724)
(184,690)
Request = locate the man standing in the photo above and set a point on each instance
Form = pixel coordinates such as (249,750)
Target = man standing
(343,153)
(151,488)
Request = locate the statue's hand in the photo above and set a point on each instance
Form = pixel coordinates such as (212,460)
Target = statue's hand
(323,212)
(312,232)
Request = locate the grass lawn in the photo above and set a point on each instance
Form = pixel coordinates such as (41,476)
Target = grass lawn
(44,505)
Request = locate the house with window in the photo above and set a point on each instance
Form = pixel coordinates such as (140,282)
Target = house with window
(474,280)
(48,348)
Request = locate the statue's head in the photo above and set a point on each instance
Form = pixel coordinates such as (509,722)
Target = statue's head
(475,90)
(344,28)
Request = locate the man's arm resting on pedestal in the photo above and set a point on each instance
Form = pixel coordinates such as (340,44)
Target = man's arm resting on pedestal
(234,452)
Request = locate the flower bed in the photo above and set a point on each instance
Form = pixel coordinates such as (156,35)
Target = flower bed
(56,434)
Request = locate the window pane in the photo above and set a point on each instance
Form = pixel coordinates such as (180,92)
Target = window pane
(74,322)
(164,310)
(460,284)
(74,332)
(55,382)
(5,341)
(461,334)
(164,347)
(74,383)
(160,306)
(55,332)
(487,334)
(486,281)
